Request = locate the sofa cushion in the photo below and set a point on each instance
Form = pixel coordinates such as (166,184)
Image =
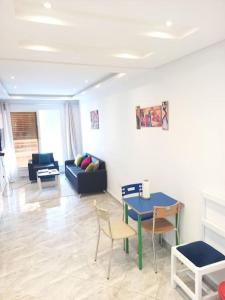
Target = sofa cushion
(90,167)
(44,159)
(85,162)
(201,254)
(101,162)
(78,160)
(35,158)
(74,170)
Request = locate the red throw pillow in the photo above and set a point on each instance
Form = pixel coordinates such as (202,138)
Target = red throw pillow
(85,162)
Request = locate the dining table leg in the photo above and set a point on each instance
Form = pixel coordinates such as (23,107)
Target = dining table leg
(126,221)
(177,236)
(139,243)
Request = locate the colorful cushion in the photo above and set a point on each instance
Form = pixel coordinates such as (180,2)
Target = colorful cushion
(96,165)
(84,155)
(90,167)
(78,160)
(85,162)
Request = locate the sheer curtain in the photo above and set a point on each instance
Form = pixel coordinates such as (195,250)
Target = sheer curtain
(73,129)
(9,150)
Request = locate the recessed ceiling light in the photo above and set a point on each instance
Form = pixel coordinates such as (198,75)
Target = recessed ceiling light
(171,36)
(40,48)
(97,85)
(190,32)
(127,56)
(12,77)
(132,56)
(120,75)
(44,20)
(86,81)
(14,86)
(47,5)
(169,23)
(82,93)
(17,97)
(161,35)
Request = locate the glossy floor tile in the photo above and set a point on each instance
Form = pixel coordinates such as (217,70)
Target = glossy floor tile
(48,240)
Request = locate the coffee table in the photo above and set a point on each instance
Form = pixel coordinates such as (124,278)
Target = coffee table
(46,175)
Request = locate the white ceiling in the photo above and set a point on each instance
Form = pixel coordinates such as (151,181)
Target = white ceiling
(87,36)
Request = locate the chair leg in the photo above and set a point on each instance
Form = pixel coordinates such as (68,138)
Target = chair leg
(173,269)
(198,286)
(177,236)
(110,259)
(161,239)
(96,252)
(154,252)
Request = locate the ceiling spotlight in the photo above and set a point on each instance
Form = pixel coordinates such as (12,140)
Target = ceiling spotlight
(120,75)
(86,81)
(14,87)
(39,48)
(161,35)
(169,23)
(47,5)
(97,85)
(83,93)
(12,77)
(127,56)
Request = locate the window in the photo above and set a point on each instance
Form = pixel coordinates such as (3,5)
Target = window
(25,136)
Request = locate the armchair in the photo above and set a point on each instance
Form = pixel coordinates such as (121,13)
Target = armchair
(41,161)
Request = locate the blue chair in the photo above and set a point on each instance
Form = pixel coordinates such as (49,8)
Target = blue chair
(132,190)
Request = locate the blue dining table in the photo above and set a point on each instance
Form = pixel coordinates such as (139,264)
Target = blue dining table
(143,206)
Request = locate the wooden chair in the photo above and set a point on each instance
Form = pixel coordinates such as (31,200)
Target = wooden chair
(160,225)
(114,230)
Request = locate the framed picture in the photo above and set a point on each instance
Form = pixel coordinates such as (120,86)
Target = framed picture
(165,115)
(94,119)
(151,116)
(138,117)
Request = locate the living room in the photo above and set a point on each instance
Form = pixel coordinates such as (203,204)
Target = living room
(115,97)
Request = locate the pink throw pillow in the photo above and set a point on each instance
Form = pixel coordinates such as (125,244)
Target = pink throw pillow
(85,162)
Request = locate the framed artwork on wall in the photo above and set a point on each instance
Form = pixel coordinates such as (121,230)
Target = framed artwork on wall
(138,117)
(154,116)
(165,115)
(151,116)
(94,119)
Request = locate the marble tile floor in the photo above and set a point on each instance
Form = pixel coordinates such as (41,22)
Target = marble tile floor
(48,240)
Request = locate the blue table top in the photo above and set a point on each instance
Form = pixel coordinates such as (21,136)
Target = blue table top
(143,206)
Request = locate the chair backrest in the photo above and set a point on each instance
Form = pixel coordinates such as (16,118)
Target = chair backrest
(35,157)
(166,211)
(131,189)
(103,217)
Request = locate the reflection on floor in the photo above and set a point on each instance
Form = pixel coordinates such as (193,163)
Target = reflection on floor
(48,241)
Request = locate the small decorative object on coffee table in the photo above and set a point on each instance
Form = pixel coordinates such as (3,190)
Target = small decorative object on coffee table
(48,175)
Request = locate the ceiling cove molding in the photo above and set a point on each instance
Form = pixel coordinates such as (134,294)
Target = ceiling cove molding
(117,68)
(93,85)
(57,97)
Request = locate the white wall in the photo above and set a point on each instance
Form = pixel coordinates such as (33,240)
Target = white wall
(181,162)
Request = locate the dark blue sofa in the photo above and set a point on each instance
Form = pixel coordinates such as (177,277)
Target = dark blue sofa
(87,182)
(41,161)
